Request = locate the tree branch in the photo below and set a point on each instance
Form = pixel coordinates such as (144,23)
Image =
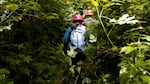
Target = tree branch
(10,14)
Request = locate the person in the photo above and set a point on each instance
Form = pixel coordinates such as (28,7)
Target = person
(90,23)
(88,15)
(74,38)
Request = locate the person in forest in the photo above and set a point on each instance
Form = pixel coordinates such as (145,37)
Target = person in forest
(88,16)
(74,38)
(90,24)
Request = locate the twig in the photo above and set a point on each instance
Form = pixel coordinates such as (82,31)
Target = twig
(8,16)
(32,15)
(105,17)
(77,78)
(29,15)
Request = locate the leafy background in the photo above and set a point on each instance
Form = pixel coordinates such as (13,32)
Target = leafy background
(31,42)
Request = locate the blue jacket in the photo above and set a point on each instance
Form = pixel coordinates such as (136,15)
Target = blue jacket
(67,35)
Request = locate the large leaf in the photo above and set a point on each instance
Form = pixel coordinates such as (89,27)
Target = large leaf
(127,49)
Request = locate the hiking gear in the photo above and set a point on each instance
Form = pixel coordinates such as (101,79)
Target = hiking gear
(77,17)
(89,12)
(74,38)
(77,39)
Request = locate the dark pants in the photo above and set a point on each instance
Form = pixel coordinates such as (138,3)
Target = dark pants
(80,56)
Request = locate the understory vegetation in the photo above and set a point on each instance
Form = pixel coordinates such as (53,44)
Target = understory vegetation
(31,42)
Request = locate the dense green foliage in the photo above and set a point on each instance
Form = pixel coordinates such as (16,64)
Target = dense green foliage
(31,42)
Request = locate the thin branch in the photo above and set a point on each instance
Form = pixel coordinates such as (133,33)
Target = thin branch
(10,14)
(100,20)
(32,15)
(105,17)
(29,15)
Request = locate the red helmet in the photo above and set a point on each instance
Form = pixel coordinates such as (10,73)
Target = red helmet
(89,12)
(77,17)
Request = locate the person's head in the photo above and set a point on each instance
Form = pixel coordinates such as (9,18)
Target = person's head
(77,19)
(89,13)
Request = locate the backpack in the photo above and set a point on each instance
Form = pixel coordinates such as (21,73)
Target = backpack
(74,38)
(77,39)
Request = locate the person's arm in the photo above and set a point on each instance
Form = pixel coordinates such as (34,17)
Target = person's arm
(66,35)
(66,39)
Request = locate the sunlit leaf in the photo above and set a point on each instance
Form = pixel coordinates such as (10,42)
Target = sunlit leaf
(50,17)
(88,0)
(123,70)
(146,37)
(105,1)
(114,48)
(124,77)
(145,79)
(107,5)
(112,20)
(12,6)
(92,38)
(127,49)
(71,53)
(124,17)
(5,27)
(71,69)
(95,3)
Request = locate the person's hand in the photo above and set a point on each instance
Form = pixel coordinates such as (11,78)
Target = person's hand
(73,27)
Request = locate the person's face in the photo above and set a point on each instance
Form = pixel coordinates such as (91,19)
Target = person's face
(89,16)
(77,22)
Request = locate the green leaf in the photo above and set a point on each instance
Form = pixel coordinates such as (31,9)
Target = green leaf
(94,3)
(71,69)
(79,69)
(145,79)
(4,71)
(25,70)
(146,37)
(12,6)
(127,49)
(71,53)
(11,82)
(86,80)
(92,38)
(28,59)
(124,77)
(5,27)
(50,17)
(107,5)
